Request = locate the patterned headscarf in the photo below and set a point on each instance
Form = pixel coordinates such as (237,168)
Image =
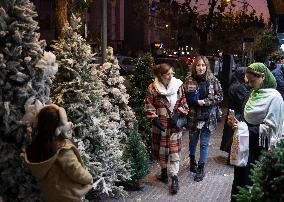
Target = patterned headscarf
(260,68)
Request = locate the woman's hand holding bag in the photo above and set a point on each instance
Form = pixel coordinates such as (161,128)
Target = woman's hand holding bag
(156,122)
(240,145)
(178,121)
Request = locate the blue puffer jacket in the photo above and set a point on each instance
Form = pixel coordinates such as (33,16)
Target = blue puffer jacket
(279,76)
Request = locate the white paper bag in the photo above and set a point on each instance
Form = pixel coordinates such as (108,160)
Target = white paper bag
(240,146)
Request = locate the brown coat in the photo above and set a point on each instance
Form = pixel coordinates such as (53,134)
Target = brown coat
(62,177)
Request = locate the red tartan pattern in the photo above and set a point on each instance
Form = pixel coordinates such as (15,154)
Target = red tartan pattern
(166,144)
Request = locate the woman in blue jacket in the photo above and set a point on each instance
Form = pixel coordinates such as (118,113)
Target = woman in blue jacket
(203,93)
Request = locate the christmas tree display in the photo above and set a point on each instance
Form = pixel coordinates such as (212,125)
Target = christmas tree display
(81,93)
(138,157)
(25,76)
(267,177)
(116,93)
(139,82)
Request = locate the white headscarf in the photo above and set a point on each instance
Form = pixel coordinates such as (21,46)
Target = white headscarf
(268,111)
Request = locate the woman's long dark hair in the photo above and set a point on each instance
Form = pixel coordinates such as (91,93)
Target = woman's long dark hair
(45,143)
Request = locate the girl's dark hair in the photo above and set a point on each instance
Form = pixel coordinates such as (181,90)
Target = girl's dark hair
(239,75)
(45,144)
(195,62)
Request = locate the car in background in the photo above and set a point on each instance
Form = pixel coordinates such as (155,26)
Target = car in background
(189,59)
(97,59)
(126,65)
(180,66)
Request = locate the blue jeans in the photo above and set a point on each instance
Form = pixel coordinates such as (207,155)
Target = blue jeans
(204,135)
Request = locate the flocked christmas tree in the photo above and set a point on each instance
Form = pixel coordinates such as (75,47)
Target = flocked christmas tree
(116,93)
(117,99)
(79,90)
(25,77)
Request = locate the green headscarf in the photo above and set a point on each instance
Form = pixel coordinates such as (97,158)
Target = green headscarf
(269,81)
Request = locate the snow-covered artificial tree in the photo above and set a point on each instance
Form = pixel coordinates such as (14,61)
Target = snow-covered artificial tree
(78,89)
(116,93)
(25,77)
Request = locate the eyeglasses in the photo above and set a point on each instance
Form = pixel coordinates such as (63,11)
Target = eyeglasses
(170,74)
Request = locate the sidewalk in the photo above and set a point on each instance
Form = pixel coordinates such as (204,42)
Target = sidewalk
(216,186)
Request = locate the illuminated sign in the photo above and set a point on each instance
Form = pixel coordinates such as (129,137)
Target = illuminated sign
(157,45)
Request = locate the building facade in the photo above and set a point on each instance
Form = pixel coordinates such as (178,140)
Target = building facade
(276,11)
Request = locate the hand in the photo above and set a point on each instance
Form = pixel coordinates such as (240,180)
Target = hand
(157,123)
(174,120)
(201,102)
(232,121)
(269,151)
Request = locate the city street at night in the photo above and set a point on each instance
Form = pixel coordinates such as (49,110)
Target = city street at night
(141,100)
(215,187)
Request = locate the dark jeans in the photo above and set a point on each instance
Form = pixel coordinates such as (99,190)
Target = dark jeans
(204,136)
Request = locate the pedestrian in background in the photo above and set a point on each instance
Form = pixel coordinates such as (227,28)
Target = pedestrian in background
(238,92)
(54,160)
(272,66)
(203,93)
(264,115)
(279,76)
(163,98)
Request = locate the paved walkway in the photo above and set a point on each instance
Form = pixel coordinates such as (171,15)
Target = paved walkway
(216,186)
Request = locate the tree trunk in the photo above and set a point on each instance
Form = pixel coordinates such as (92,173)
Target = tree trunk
(61,16)
(203,43)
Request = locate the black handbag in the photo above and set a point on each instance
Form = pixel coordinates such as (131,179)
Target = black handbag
(203,113)
(178,121)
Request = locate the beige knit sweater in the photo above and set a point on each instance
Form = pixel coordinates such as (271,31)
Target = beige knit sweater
(62,177)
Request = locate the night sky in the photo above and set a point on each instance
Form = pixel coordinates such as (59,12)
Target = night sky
(259,5)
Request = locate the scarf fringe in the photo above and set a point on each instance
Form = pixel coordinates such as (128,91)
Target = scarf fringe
(264,139)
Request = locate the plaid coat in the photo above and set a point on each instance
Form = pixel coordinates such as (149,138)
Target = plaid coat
(214,98)
(168,142)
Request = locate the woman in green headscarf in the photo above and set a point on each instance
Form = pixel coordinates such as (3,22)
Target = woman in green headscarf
(265,105)
(264,115)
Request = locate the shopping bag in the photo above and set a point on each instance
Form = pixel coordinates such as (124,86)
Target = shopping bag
(240,146)
(178,121)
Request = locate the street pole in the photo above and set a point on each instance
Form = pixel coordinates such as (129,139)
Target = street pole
(243,54)
(104,29)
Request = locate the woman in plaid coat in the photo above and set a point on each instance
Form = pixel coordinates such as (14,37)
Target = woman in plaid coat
(164,97)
